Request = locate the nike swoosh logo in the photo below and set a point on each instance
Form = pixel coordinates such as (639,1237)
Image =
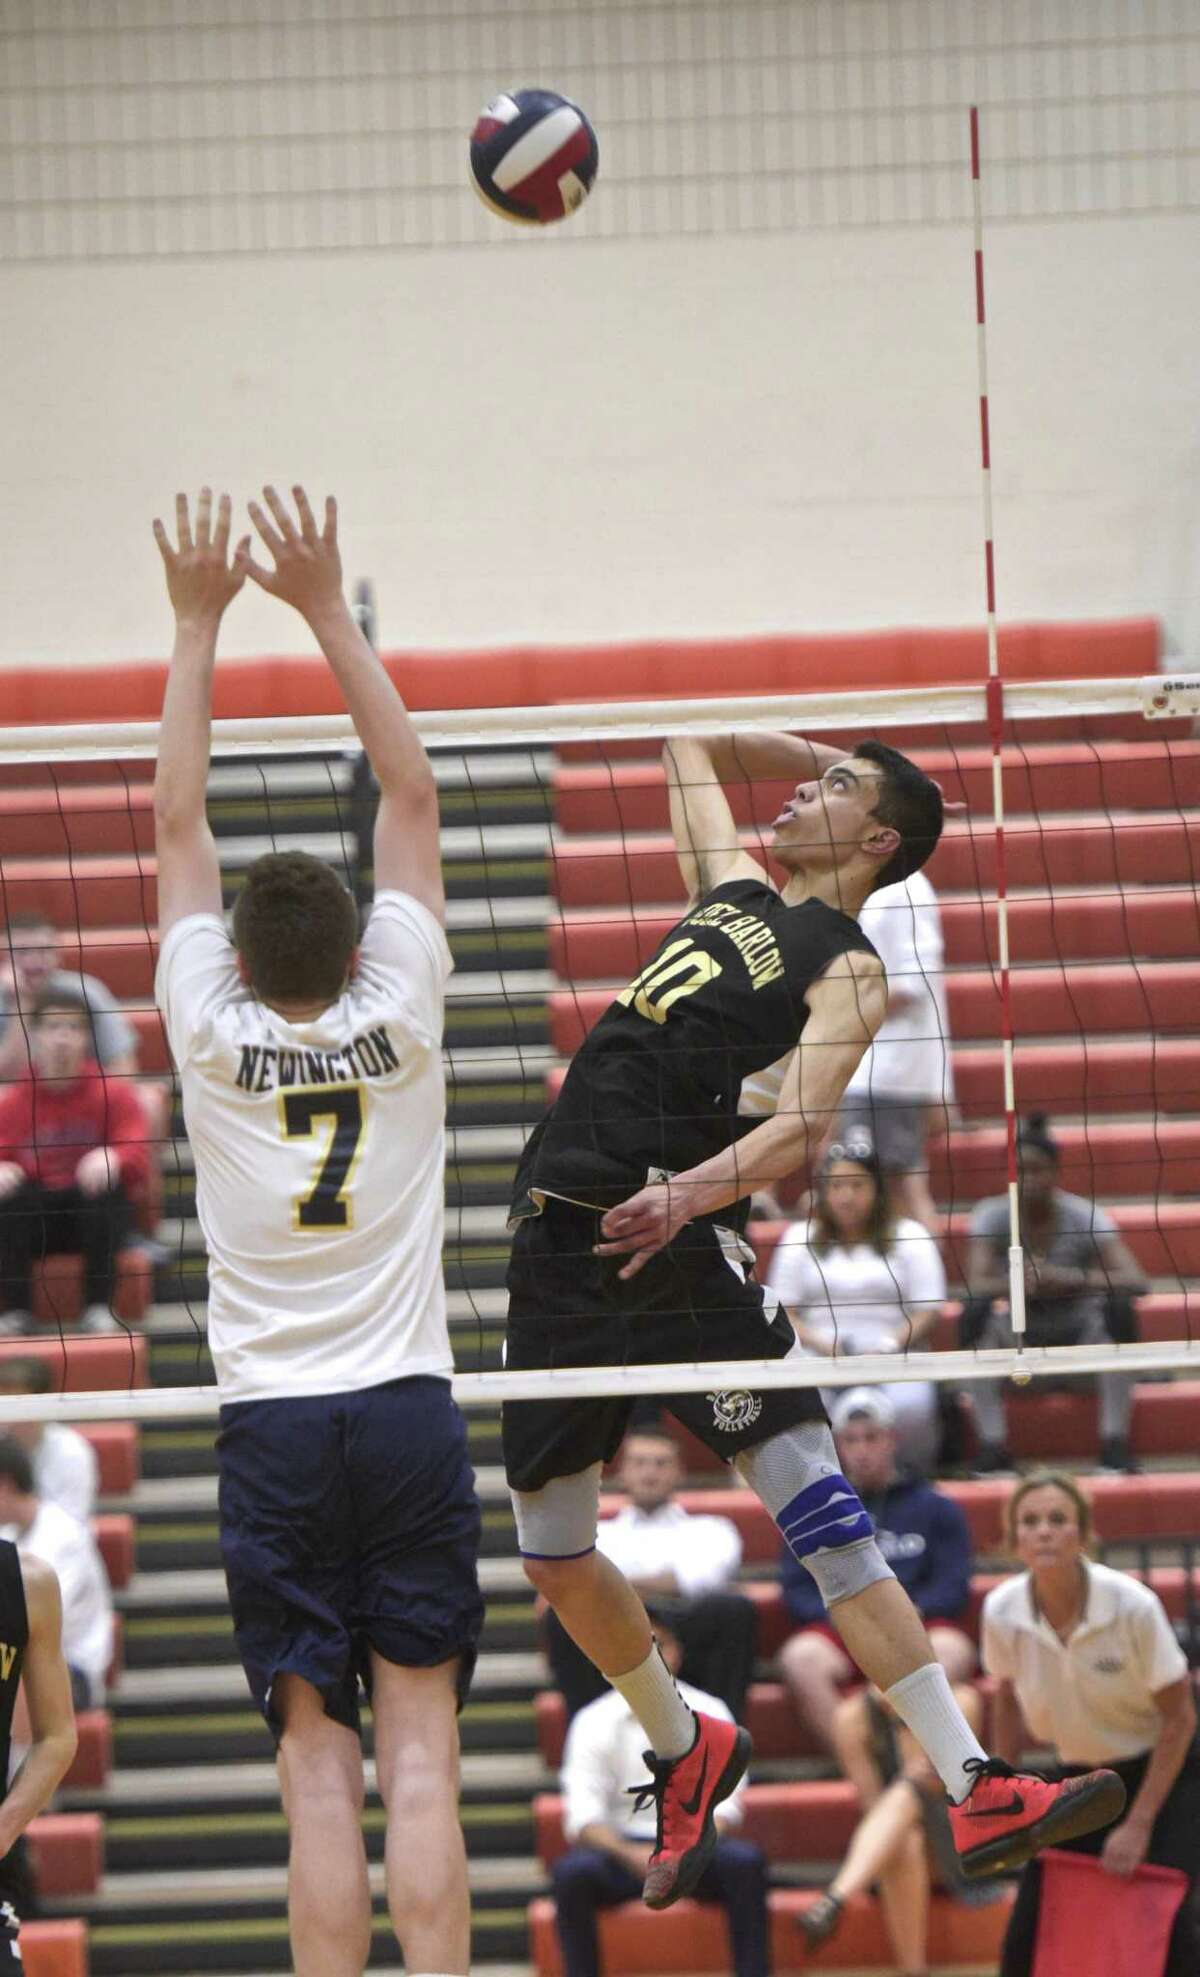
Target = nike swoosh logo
(692,1806)
(1015,1804)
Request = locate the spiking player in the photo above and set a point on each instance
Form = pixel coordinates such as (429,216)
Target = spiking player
(313,1093)
(715,1072)
(35,1704)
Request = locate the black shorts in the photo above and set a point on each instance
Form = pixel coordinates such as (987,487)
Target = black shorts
(568,1307)
(349,1522)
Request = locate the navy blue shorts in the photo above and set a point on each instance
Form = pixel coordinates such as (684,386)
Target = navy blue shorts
(349,1522)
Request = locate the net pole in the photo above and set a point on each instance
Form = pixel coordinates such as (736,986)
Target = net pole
(995,723)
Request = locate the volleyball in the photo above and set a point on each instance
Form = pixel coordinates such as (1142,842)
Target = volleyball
(533,156)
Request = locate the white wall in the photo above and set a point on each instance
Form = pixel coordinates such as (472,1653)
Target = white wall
(738,392)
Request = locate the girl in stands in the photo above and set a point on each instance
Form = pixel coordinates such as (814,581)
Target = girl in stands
(1088,1657)
(857,1280)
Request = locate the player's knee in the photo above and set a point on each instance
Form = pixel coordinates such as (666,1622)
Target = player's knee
(557,1578)
(556,1527)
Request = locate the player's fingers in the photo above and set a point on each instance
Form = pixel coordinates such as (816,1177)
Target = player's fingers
(636,1263)
(308,523)
(269,534)
(204,518)
(278,507)
(245,562)
(330,519)
(183,526)
(164,544)
(224,518)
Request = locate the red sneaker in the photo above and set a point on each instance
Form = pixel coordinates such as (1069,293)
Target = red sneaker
(1008,1815)
(684,1791)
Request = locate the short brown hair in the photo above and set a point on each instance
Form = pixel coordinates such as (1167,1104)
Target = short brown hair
(295,927)
(1048,1479)
(66,999)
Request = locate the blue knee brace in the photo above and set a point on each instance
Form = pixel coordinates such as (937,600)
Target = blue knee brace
(825,1516)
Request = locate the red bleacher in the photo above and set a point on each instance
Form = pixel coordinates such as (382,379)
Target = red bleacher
(54,1949)
(87,1365)
(66,1852)
(93,1757)
(639,1943)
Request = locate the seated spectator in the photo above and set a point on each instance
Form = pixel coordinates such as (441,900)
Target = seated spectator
(925,1539)
(903,1841)
(32,965)
(72,1144)
(612,1836)
(1079,1280)
(666,1552)
(855,1280)
(64,1543)
(904,1082)
(64,1461)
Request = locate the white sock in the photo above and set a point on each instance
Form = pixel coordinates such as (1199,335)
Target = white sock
(925,1701)
(650,1691)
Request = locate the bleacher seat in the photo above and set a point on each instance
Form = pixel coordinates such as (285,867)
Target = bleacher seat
(66,1852)
(116,1540)
(93,1758)
(55,1949)
(58,1288)
(82,1364)
(118,1451)
(638,1943)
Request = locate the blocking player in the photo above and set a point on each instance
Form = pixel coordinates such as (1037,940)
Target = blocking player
(712,1074)
(313,1092)
(35,1703)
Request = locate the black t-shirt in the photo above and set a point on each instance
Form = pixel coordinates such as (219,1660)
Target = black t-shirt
(14,1637)
(657,1083)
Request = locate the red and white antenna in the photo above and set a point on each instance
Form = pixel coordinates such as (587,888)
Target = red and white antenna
(995,722)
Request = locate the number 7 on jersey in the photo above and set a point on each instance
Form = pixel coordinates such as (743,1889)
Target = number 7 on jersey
(326,1205)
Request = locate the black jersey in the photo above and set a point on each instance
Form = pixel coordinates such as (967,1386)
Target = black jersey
(14,1638)
(658,1084)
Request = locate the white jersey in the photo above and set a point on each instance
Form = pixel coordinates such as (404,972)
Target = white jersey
(910,1057)
(319,1151)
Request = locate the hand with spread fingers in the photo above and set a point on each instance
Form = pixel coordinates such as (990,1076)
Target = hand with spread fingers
(201,580)
(308,568)
(643,1225)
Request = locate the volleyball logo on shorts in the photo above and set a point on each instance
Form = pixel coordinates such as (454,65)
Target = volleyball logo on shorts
(735,1409)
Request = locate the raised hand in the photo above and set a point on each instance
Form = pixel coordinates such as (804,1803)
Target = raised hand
(201,581)
(308,567)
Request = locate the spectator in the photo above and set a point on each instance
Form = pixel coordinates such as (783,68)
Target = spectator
(64,1461)
(924,1538)
(33,965)
(72,1144)
(855,1280)
(903,1840)
(612,1838)
(1087,1657)
(666,1552)
(1079,1278)
(62,1542)
(905,1080)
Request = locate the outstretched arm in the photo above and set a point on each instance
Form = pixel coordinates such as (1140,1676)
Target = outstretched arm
(308,576)
(200,584)
(846,1007)
(47,1688)
(697,767)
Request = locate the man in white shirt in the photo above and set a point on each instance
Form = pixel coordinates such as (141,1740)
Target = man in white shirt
(43,1530)
(666,1552)
(314,1098)
(612,1837)
(64,1461)
(904,1082)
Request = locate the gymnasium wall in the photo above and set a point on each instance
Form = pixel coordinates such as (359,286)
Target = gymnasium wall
(736,393)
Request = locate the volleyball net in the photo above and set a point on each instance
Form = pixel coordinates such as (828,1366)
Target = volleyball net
(562,883)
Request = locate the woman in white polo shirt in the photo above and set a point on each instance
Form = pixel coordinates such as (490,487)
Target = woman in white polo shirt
(1087,1657)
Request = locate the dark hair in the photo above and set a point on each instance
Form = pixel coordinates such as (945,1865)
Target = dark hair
(824,1233)
(911,803)
(26,923)
(15,1466)
(27,1374)
(295,927)
(65,997)
(1034,1136)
